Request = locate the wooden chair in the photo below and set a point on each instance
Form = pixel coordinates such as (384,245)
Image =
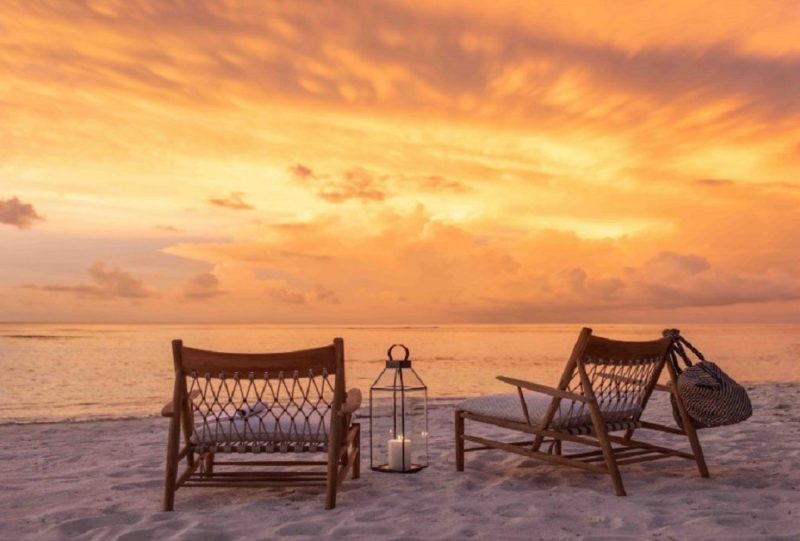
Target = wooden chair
(239,404)
(604,389)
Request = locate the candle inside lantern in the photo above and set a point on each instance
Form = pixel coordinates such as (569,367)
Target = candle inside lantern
(397,448)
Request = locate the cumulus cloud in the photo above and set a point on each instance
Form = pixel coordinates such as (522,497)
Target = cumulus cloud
(203,286)
(106,283)
(671,264)
(18,214)
(235,201)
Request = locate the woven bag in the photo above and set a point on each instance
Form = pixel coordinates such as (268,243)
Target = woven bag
(711,397)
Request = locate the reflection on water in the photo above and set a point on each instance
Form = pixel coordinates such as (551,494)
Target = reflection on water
(56,372)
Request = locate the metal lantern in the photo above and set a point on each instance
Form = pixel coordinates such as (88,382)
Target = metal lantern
(398,418)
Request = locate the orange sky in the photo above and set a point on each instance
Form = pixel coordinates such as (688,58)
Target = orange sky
(372,162)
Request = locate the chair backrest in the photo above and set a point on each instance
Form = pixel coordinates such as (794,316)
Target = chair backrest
(621,375)
(259,401)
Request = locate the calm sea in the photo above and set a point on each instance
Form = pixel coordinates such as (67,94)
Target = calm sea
(55,372)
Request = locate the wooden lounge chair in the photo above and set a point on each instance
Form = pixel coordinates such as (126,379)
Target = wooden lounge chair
(260,404)
(604,389)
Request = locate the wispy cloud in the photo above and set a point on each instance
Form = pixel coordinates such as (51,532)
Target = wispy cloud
(235,201)
(169,228)
(358,183)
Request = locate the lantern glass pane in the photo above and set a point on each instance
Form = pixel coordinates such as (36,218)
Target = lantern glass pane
(398,422)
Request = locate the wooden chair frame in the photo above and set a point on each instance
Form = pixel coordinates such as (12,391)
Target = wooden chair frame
(609,451)
(343,448)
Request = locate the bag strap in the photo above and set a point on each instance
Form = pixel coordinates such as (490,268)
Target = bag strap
(677,349)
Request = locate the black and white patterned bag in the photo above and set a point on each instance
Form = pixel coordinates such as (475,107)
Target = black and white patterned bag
(711,397)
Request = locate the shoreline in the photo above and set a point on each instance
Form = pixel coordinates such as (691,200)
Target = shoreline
(104,479)
(433,403)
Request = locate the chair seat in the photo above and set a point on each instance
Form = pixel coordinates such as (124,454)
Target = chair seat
(269,428)
(570,414)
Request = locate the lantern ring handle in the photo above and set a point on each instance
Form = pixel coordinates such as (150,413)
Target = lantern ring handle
(389,351)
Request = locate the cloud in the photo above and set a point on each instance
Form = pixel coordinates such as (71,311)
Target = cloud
(361,184)
(447,273)
(169,228)
(437,183)
(714,182)
(356,183)
(301,173)
(18,214)
(203,286)
(107,283)
(326,296)
(671,264)
(286,296)
(234,201)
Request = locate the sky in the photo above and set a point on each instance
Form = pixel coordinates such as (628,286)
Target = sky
(400,162)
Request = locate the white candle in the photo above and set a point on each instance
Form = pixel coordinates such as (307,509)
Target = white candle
(397,448)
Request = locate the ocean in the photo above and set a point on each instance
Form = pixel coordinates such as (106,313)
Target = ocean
(73,372)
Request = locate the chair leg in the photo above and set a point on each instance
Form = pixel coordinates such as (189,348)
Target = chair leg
(605,445)
(357,453)
(611,464)
(334,458)
(459,441)
(688,426)
(172,464)
(208,463)
(697,450)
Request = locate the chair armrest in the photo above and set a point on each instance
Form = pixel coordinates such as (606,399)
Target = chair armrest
(167,411)
(352,402)
(543,389)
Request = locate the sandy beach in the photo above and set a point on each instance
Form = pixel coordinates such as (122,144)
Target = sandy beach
(103,480)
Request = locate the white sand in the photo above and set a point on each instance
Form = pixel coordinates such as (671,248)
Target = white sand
(103,480)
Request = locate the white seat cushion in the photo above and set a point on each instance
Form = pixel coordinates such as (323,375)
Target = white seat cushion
(269,426)
(570,413)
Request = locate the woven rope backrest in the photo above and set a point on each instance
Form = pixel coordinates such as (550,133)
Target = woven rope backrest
(621,374)
(280,402)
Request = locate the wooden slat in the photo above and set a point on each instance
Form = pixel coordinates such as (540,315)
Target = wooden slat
(533,454)
(644,445)
(645,458)
(214,362)
(273,463)
(270,474)
(662,428)
(485,448)
(251,484)
(620,350)
(621,453)
(186,474)
(522,427)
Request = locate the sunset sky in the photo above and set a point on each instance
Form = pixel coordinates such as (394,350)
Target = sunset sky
(400,162)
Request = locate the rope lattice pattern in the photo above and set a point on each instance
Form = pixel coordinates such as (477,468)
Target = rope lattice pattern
(283,412)
(619,385)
